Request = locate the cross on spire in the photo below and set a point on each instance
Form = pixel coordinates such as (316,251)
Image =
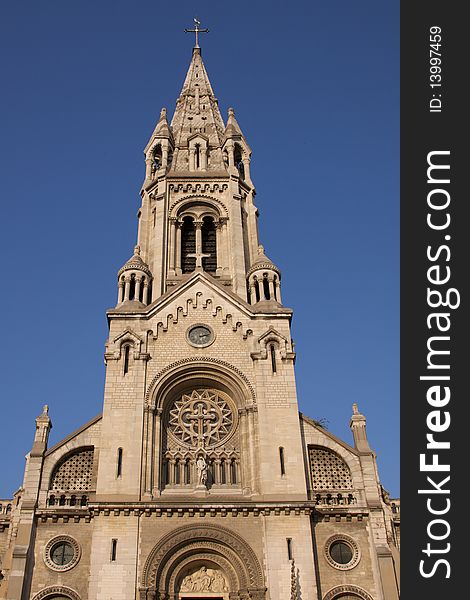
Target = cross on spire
(196,30)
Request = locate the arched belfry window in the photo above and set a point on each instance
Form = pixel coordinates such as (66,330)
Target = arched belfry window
(157,158)
(132,288)
(195,236)
(238,158)
(188,246)
(267,293)
(209,245)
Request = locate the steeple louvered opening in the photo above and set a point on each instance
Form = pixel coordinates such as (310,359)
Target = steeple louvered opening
(194,232)
(188,245)
(238,159)
(209,245)
(157,157)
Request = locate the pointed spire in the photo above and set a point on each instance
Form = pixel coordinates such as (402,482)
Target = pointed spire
(197,110)
(233,128)
(163,128)
(162,131)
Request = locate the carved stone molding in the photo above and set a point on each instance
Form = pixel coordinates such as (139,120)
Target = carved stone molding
(349,541)
(57,590)
(114,349)
(205,362)
(273,336)
(214,539)
(66,539)
(198,188)
(347,589)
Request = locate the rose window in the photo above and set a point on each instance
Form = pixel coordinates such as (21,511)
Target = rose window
(202,419)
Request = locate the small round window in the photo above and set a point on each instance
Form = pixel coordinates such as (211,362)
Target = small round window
(62,553)
(342,552)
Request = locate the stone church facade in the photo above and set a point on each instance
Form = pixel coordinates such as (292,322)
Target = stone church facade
(200,479)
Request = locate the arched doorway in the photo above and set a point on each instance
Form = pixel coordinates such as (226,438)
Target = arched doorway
(197,561)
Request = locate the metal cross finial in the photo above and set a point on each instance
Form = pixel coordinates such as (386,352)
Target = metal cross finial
(196,30)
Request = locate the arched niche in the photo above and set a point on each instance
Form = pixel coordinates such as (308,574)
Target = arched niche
(171,453)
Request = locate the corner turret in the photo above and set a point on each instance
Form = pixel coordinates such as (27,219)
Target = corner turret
(264,280)
(134,282)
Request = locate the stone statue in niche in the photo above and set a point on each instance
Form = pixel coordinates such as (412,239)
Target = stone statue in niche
(201,467)
(204,580)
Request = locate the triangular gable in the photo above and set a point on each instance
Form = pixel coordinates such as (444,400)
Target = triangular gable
(74,434)
(310,422)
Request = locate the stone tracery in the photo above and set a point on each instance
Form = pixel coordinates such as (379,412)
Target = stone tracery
(202,419)
(202,428)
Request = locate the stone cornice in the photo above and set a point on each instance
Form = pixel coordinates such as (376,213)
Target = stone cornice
(193,508)
(175,175)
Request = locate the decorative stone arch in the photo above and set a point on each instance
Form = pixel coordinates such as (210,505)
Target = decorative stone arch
(271,336)
(171,390)
(200,370)
(186,233)
(316,436)
(56,590)
(197,544)
(76,469)
(124,346)
(127,337)
(347,592)
(82,439)
(214,203)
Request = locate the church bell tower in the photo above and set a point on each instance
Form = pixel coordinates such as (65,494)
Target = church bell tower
(199,308)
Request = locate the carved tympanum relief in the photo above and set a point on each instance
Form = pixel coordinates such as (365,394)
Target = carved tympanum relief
(204,579)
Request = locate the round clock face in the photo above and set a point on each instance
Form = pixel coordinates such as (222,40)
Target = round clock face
(200,335)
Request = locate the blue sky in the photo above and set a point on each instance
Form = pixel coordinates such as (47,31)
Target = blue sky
(315,87)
